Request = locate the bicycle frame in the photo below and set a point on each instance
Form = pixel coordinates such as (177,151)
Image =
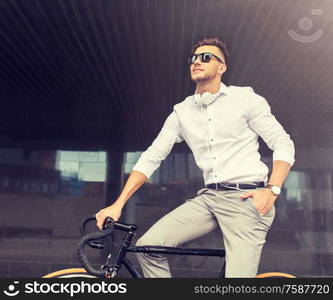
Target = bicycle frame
(163,250)
(120,257)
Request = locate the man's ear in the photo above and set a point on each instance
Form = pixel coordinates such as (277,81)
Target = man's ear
(222,69)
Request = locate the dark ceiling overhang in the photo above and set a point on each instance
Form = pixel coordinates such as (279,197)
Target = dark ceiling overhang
(105,74)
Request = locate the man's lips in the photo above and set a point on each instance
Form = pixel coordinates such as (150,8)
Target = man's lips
(196,70)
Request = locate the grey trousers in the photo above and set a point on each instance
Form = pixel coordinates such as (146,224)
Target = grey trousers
(244,231)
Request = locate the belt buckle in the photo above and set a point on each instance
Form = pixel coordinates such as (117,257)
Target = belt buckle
(216,186)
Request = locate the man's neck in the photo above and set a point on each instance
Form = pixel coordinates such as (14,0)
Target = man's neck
(210,87)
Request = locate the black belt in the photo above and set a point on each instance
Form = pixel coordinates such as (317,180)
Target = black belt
(239,185)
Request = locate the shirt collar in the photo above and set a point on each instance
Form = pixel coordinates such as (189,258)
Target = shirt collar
(222,90)
(205,100)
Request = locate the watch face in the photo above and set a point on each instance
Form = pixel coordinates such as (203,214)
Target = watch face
(276,190)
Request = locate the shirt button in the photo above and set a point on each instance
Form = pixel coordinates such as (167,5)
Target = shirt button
(209,119)
(211,140)
(214,157)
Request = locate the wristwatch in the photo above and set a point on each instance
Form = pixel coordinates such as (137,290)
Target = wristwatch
(276,190)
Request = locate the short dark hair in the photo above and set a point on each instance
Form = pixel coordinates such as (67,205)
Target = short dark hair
(212,42)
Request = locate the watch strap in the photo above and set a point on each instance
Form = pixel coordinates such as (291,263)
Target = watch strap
(270,186)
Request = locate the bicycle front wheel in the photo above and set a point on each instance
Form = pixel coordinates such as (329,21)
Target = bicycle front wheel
(275,275)
(69,273)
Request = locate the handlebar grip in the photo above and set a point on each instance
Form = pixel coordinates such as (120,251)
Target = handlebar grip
(82,227)
(84,223)
(87,239)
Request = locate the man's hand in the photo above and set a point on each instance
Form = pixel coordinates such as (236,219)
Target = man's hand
(113,211)
(263,199)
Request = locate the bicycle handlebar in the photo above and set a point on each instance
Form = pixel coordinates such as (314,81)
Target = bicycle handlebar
(90,239)
(83,224)
(94,240)
(94,244)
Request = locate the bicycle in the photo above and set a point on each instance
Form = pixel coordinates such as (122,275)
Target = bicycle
(111,269)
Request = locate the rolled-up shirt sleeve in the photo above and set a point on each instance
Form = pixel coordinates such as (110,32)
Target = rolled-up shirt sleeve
(151,159)
(262,121)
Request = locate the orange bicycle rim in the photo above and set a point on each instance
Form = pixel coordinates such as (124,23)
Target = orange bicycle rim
(275,274)
(66,271)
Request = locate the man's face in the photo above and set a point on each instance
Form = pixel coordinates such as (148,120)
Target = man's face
(201,71)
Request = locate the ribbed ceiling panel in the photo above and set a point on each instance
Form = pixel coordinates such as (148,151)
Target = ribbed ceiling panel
(107,73)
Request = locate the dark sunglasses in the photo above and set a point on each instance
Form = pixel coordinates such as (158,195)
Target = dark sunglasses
(204,57)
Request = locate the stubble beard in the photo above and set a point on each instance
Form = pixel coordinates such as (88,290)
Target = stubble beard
(202,79)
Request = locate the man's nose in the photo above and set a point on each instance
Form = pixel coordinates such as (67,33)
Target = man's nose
(197,61)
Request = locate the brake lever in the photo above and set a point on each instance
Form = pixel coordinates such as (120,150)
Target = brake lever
(99,244)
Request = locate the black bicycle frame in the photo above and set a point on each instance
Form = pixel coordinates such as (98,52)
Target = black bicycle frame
(124,248)
(94,240)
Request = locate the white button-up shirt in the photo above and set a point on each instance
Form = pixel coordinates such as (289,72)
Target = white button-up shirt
(222,131)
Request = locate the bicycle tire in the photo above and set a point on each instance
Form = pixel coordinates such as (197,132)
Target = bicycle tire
(69,273)
(275,275)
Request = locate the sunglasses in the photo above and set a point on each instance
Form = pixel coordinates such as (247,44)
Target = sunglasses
(204,57)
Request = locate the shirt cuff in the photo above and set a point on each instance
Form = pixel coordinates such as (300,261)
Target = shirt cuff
(284,157)
(143,168)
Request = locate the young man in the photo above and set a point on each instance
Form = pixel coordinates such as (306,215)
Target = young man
(221,126)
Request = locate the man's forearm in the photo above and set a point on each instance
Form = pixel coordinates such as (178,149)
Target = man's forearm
(133,183)
(280,172)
